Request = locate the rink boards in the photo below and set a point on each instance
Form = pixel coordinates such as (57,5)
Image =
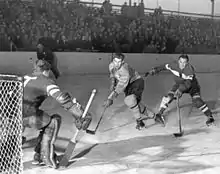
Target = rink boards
(73,63)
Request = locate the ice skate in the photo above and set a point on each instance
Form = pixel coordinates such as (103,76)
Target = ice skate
(37,160)
(159,119)
(210,121)
(140,124)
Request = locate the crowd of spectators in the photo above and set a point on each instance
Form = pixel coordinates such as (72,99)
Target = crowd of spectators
(76,26)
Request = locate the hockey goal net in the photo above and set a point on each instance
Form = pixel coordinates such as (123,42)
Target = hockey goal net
(11,99)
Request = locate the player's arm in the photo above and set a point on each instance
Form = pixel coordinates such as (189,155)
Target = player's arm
(157,69)
(113,80)
(69,104)
(64,98)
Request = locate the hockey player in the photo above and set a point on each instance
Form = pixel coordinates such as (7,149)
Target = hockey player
(125,79)
(44,53)
(37,87)
(185,82)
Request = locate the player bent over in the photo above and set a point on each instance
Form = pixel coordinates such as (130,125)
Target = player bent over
(185,82)
(37,87)
(44,53)
(125,79)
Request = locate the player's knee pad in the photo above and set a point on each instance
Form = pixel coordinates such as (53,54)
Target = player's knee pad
(199,103)
(49,137)
(131,101)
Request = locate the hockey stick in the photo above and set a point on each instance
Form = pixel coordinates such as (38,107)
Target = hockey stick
(72,143)
(102,115)
(146,74)
(180,133)
(97,126)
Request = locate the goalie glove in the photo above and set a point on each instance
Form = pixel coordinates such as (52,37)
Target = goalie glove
(76,110)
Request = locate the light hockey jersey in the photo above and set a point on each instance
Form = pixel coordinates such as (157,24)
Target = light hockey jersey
(124,76)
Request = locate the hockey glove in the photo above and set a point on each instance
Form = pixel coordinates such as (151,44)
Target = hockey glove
(83,123)
(110,99)
(78,123)
(178,93)
(108,103)
(152,72)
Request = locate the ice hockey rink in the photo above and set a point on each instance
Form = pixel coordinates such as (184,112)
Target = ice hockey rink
(118,148)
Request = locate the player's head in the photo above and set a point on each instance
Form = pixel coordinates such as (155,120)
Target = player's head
(183,60)
(118,60)
(40,47)
(41,67)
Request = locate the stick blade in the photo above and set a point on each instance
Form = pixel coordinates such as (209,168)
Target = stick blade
(67,154)
(179,134)
(92,132)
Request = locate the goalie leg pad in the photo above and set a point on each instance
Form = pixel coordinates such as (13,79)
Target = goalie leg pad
(37,120)
(37,148)
(47,145)
(131,102)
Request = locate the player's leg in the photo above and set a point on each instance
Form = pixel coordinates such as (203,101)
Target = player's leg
(37,155)
(54,68)
(133,95)
(37,120)
(201,105)
(166,100)
(49,137)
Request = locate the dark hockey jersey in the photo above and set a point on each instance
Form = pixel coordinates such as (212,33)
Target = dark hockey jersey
(185,76)
(36,89)
(46,54)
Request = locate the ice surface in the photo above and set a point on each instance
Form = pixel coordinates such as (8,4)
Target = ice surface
(119,148)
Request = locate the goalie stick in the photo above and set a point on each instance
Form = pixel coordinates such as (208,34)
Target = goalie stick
(72,143)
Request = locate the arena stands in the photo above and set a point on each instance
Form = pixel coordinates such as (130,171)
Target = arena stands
(78,26)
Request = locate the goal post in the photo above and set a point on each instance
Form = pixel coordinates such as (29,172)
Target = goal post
(11,110)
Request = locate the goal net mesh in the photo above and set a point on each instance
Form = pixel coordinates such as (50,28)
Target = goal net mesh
(11,99)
